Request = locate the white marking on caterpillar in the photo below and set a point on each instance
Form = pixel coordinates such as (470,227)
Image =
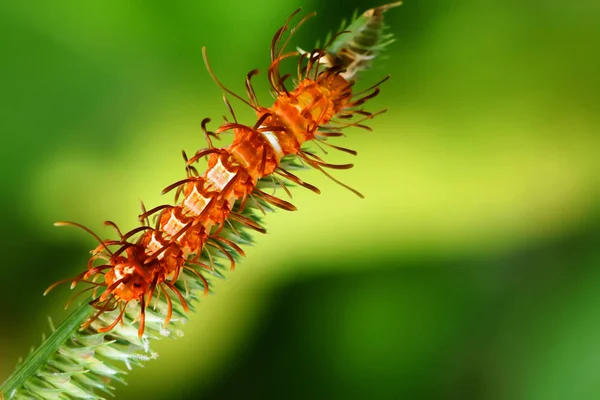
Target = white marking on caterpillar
(273,141)
(154,246)
(173,226)
(219,176)
(195,202)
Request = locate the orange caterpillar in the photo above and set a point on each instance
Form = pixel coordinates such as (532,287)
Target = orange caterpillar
(133,269)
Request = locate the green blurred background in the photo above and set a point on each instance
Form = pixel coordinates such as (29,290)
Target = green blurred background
(471,269)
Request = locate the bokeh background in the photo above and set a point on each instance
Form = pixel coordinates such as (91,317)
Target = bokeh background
(471,269)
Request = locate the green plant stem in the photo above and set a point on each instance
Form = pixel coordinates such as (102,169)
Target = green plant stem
(50,346)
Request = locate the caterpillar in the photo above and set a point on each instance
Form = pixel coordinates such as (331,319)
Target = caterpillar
(213,210)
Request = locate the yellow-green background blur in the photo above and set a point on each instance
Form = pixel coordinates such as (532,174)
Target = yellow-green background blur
(471,269)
